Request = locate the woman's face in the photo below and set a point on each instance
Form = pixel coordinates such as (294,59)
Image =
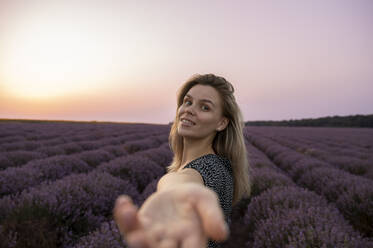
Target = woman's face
(201,105)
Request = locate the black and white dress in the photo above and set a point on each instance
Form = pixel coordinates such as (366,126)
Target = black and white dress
(217,174)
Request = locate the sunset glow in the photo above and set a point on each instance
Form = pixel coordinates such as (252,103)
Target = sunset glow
(121,60)
(53,56)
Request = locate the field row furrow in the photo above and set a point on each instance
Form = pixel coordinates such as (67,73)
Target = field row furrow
(348,192)
(16,179)
(21,155)
(79,203)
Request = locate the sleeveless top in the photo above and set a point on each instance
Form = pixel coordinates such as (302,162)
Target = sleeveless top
(217,174)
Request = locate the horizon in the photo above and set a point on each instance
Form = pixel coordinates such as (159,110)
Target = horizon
(152,123)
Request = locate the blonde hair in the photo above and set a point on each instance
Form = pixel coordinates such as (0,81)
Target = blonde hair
(228,142)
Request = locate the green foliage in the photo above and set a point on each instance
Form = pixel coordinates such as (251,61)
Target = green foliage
(329,121)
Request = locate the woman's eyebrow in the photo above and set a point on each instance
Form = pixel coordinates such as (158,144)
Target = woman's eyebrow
(202,100)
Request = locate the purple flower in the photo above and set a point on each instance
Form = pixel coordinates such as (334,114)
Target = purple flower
(139,170)
(64,210)
(95,157)
(14,180)
(292,216)
(19,158)
(160,155)
(107,236)
(266,178)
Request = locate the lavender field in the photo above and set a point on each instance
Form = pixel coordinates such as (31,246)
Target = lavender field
(312,187)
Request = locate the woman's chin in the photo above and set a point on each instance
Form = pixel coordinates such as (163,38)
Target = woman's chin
(185,132)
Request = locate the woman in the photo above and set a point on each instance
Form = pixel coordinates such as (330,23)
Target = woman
(208,174)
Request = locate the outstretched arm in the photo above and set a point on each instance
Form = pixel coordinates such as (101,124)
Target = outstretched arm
(181,212)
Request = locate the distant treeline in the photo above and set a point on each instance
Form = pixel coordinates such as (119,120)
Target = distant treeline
(329,121)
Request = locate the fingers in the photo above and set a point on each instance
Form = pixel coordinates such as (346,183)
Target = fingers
(194,241)
(169,243)
(212,217)
(126,218)
(155,235)
(125,215)
(137,239)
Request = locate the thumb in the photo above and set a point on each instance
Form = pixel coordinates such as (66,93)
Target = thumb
(125,215)
(208,207)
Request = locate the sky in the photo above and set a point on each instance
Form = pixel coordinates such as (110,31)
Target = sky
(124,61)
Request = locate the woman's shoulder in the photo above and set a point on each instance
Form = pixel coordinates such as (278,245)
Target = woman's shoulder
(224,161)
(212,162)
(217,174)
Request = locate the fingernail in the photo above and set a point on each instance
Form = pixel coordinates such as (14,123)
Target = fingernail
(122,199)
(134,245)
(226,228)
(134,242)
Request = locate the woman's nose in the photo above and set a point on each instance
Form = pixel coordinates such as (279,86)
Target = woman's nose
(190,109)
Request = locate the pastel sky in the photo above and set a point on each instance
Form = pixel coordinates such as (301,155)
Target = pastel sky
(125,60)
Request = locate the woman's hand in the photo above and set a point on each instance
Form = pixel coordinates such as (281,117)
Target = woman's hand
(184,216)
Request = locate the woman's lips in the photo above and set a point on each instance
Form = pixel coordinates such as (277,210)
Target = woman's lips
(187,123)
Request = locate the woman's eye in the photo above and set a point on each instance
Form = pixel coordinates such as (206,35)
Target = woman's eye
(204,107)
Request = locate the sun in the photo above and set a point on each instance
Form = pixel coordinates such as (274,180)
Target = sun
(45,59)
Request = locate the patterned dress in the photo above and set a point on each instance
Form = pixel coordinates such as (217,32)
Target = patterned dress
(217,174)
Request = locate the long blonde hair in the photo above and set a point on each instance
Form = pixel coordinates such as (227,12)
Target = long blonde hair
(228,142)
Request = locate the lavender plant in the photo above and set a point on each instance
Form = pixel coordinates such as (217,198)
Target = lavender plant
(95,157)
(138,170)
(14,180)
(64,210)
(292,216)
(107,236)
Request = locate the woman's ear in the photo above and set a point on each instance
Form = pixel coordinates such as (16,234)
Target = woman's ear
(223,124)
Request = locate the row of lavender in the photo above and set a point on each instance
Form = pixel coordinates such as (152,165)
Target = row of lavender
(353,141)
(21,157)
(351,194)
(15,179)
(59,166)
(108,236)
(57,139)
(301,218)
(51,134)
(325,141)
(65,209)
(350,150)
(56,207)
(22,131)
(282,214)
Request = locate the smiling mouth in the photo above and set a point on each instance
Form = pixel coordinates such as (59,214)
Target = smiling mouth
(187,122)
